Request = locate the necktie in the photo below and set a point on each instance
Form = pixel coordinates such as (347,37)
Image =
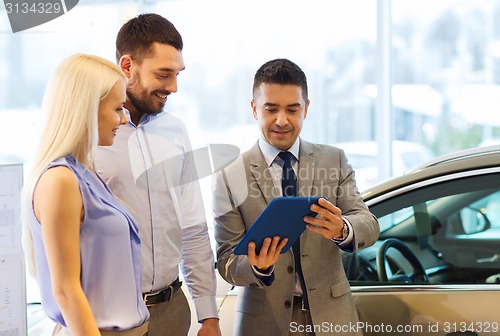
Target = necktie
(289,187)
(288,179)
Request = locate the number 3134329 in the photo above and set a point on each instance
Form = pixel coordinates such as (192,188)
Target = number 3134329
(33,8)
(485,327)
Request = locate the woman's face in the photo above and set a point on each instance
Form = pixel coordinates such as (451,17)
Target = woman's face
(110,114)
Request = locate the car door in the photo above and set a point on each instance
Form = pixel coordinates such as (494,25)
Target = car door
(451,226)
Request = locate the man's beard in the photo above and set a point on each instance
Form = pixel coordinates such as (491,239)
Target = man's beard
(142,106)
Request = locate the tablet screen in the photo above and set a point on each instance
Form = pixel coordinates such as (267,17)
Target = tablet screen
(282,217)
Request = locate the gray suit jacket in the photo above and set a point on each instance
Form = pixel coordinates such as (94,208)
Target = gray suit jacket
(241,192)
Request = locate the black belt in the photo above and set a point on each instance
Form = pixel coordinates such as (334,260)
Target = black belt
(162,295)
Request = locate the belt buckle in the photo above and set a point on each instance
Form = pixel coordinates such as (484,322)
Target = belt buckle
(163,295)
(167,294)
(146,296)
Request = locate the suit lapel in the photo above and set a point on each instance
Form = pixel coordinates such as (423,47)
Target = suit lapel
(261,175)
(307,165)
(306,175)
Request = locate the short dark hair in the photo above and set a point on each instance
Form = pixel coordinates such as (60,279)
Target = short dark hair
(280,71)
(136,36)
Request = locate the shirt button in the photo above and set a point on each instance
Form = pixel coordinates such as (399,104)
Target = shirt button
(288,304)
(290,269)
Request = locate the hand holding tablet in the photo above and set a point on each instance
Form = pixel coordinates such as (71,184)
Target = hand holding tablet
(283,217)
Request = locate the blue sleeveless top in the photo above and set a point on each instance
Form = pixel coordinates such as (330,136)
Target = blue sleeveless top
(110,256)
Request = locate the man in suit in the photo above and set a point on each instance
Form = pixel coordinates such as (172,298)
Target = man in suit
(281,295)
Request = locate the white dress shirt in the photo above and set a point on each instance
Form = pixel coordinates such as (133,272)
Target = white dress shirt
(150,167)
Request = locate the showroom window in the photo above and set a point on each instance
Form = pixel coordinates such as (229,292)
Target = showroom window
(444,70)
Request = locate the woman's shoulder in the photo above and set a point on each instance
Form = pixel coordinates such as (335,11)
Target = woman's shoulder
(57,190)
(58,177)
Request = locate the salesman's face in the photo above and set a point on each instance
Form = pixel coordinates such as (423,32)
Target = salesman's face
(280,111)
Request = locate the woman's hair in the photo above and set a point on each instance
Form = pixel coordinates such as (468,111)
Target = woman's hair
(70,104)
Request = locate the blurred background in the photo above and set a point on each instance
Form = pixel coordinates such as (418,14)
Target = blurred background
(436,64)
(393,83)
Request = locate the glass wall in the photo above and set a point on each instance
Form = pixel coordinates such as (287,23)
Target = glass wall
(445,71)
(225,42)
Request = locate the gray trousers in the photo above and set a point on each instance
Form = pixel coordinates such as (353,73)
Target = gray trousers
(170,318)
(301,319)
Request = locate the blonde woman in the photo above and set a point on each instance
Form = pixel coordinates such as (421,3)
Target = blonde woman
(81,243)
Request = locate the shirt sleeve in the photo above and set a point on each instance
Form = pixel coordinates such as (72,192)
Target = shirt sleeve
(267,276)
(198,261)
(198,269)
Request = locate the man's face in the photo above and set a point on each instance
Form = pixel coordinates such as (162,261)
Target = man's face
(152,80)
(280,111)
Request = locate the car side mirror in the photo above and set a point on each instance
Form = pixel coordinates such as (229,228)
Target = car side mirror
(474,220)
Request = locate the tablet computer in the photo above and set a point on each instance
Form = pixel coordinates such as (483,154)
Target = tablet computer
(282,217)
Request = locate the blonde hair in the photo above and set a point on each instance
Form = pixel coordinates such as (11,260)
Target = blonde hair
(70,103)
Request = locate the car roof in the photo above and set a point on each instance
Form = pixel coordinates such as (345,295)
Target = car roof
(457,162)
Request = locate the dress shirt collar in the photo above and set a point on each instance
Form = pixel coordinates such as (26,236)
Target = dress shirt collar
(270,152)
(145,118)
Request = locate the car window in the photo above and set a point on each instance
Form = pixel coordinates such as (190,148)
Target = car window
(452,227)
(393,219)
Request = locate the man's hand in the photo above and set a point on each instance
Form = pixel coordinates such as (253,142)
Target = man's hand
(269,253)
(210,327)
(329,222)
